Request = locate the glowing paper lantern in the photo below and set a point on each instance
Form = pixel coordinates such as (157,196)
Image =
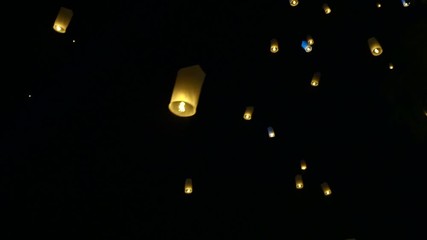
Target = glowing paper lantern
(303,164)
(298,181)
(271,133)
(188,187)
(307,47)
(310,40)
(326,8)
(293,3)
(274,45)
(248,113)
(63,20)
(186,92)
(378,5)
(375,46)
(405,3)
(390,66)
(326,189)
(315,80)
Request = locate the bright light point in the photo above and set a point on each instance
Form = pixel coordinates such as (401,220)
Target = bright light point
(293,2)
(308,49)
(390,66)
(29,95)
(274,49)
(74,41)
(271,133)
(299,186)
(303,167)
(378,5)
(376,50)
(181,107)
(327,192)
(405,3)
(314,83)
(59,28)
(247,116)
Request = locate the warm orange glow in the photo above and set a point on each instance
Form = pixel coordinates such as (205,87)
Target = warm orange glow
(63,20)
(326,189)
(326,8)
(298,181)
(310,40)
(248,113)
(303,165)
(293,3)
(188,187)
(186,92)
(274,45)
(375,46)
(315,80)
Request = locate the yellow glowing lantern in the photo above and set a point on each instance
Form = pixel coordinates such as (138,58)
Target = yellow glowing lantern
(326,189)
(186,92)
(375,46)
(248,113)
(298,181)
(271,133)
(274,45)
(63,20)
(326,8)
(188,187)
(293,3)
(378,5)
(310,40)
(303,164)
(315,80)
(405,3)
(390,66)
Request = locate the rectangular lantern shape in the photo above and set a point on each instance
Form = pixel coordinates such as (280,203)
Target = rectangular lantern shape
(298,181)
(315,80)
(326,189)
(63,20)
(310,40)
(186,92)
(274,45)
(248,113)
(326,8)
(271,133)
(375,46)
(303,164)
(188,187)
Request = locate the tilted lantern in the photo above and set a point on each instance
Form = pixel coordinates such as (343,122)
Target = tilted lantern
(63,20)
(298,181)
(248,113)
(188,187)
(326,8)
(310,40)
(375,46)
(186,92)
(271,133)
(326,189)
(315,80)
(405,3)
(274,45)
(306,46)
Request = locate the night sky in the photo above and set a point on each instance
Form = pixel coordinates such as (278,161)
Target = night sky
(89,148)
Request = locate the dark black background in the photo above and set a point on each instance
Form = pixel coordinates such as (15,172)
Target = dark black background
(95,152)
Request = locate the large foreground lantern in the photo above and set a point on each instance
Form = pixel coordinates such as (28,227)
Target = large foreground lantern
(188,187)
(186,92)
(63,20)
(375,46)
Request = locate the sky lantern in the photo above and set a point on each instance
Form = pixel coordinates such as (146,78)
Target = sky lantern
(248,113)
(188,186)
(326,189)
(375,46)
(63,20)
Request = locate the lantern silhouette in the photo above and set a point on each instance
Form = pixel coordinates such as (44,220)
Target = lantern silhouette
(248,113)
(315,80)
(303,164)
(293,3)
(188,187)
(271,133)
(186,92)
(326,189)
(274,45)
(375,46)
(298,181)
(326,8)
(63,20)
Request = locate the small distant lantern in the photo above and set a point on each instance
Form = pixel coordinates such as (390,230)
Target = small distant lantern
(406,3)
(425,112)
(186,92)
(298,182)
(375,46)
(378,5)
(391,66)
(306,46)
(303,164)
(315,80)
(63,20)
(188,187)
(293,3)
(248,113)
(310,40)
(326,8)
(271,133)
(274,45)
(326,189)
